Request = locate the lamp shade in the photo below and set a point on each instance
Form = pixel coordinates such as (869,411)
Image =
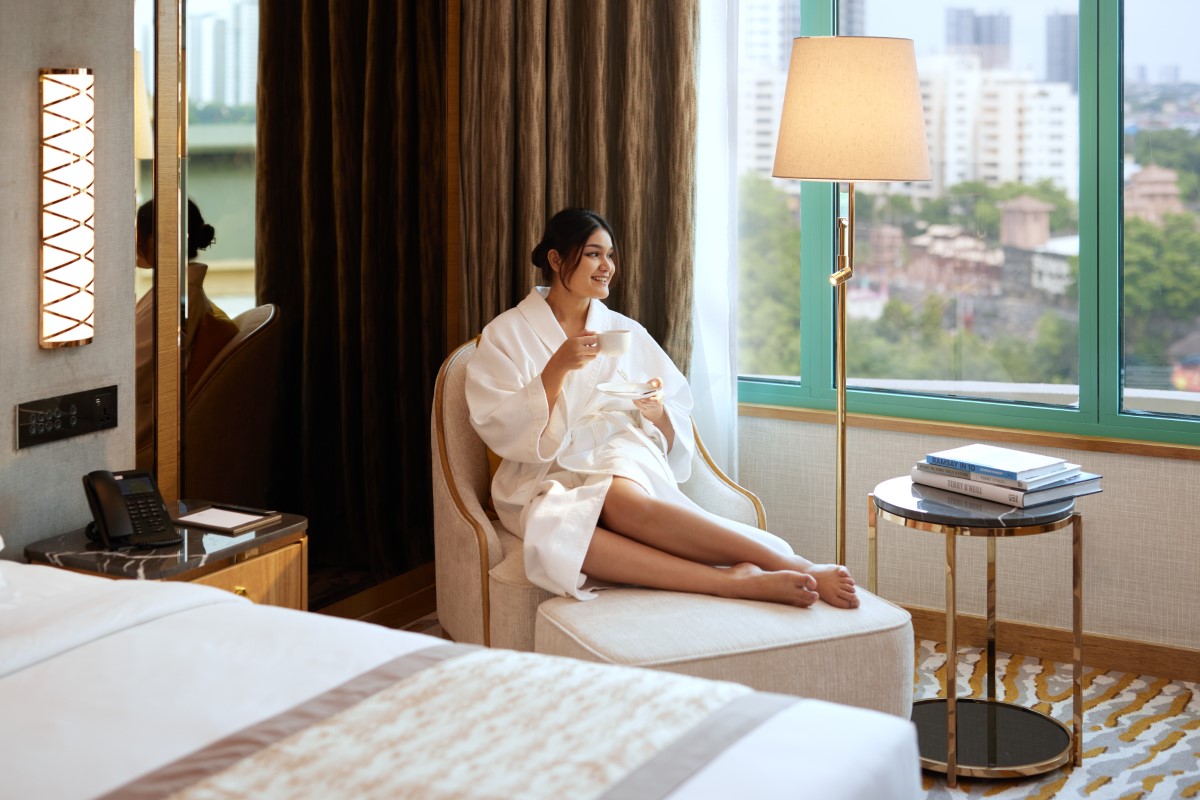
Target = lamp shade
(852,112)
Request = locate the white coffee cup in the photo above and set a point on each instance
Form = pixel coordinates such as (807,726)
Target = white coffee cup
(614,343)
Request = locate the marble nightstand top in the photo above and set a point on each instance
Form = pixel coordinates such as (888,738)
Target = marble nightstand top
(200,549)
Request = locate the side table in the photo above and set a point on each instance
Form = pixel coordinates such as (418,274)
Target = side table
(996,739)
(269,565)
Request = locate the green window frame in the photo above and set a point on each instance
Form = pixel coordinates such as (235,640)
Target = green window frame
(1098,413)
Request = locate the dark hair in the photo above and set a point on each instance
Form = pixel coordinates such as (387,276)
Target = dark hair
(567,232)
(201,235)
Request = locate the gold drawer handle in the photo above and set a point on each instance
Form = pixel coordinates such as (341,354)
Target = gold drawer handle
(241,591)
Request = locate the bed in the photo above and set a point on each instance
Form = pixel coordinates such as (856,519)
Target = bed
(137,689)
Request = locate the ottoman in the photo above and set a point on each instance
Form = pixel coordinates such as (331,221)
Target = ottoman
(860,657)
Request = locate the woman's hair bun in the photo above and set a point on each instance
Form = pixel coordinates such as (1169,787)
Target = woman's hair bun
(205,236)
(538,256)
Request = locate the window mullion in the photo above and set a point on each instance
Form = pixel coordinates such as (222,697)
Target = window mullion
(817,214)
(1105,29)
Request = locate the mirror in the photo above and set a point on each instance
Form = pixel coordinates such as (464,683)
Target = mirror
(198,289)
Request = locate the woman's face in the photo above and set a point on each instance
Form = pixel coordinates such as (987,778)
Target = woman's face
(597,266)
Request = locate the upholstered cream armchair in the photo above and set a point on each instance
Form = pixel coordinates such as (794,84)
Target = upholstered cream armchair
(861,657)
(483,595)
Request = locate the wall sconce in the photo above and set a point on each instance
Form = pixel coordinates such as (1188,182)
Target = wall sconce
(68,207)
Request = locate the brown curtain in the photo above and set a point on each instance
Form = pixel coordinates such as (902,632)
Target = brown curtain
(351,240)
(573,103)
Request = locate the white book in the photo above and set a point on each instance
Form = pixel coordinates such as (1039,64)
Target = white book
(1079,484)
(1000,462)
(1029,483)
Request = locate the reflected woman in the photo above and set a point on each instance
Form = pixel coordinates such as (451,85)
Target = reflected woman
(207,328)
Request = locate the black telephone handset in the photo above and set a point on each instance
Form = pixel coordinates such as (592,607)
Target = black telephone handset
(127,510)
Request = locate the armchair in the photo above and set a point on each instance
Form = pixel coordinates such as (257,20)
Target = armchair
(861,657)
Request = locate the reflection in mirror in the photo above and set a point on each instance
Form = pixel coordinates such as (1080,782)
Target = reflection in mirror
(222,62)
(221,88)
(217,174)
(143,139)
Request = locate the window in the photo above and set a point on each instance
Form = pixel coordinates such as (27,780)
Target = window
(1033,283)
(768,208)
(1160,264)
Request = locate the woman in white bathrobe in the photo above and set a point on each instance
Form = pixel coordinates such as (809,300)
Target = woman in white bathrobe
(590,480)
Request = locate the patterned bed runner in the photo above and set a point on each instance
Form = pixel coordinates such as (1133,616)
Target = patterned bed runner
(466,722)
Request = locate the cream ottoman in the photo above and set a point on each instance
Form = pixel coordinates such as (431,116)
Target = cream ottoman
(861,657)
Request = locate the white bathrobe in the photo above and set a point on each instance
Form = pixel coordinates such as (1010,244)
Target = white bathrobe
(557,467)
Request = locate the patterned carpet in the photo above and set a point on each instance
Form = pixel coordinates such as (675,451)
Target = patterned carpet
(1141,735)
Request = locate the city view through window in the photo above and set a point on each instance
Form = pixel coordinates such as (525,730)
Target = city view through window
(967,285)
(222,80)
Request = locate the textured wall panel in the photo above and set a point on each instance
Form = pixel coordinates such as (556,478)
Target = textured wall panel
(40,490)
(1141,543)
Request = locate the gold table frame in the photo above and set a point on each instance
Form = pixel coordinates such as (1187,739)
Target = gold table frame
(1072,518)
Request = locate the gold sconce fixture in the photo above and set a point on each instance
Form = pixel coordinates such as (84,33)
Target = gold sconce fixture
(68,208)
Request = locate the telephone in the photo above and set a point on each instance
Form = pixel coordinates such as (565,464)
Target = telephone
(127,510)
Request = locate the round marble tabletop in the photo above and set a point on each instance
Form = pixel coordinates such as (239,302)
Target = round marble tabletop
(902,497)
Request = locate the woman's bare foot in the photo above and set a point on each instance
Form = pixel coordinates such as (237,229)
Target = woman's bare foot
(749,582)
(835,585)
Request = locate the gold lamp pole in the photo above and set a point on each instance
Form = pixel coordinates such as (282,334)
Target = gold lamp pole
(851,112)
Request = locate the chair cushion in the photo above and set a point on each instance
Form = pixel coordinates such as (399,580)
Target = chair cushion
(861,657)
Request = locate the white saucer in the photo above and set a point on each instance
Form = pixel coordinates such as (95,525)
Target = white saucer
(631,391)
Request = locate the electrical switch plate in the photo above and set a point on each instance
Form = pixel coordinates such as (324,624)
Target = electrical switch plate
(54,418)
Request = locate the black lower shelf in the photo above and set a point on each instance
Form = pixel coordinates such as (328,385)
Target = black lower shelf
(995,739)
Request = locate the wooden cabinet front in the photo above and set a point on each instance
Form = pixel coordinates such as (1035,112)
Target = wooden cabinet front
(277,578)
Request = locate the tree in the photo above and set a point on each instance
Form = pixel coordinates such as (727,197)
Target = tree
(1175,149)
(975,206)
(1160,285)
(768,280)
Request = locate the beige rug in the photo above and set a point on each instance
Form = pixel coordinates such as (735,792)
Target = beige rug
(1141,733)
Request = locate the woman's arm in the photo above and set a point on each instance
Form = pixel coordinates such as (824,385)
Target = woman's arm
(575,353)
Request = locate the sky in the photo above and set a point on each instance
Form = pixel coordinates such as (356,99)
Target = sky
(1157,32)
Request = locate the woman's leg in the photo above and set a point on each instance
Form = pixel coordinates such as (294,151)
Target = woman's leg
(687,534)
(618,559)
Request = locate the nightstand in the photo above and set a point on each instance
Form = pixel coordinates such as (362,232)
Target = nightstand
(269,565)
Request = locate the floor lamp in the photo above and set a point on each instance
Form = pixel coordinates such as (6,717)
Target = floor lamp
(851,112)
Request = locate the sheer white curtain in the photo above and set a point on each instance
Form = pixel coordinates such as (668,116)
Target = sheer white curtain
(714,346)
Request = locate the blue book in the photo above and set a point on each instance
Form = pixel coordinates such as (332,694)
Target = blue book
(1000,462)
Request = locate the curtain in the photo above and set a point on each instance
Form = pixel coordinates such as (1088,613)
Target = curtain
(351,206)
(587,104)
(714,342)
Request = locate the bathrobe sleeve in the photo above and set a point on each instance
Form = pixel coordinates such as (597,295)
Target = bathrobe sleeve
(506,397)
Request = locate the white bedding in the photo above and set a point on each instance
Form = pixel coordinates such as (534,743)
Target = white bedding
(103,681)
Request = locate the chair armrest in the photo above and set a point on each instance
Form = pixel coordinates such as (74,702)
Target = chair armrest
(466,543)
(715,492)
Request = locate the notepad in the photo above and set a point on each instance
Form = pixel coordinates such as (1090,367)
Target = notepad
(224,520)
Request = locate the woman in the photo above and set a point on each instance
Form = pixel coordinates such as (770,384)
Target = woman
(590,480)
(207,328)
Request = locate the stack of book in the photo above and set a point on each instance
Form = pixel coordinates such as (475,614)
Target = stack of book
(1011,477)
